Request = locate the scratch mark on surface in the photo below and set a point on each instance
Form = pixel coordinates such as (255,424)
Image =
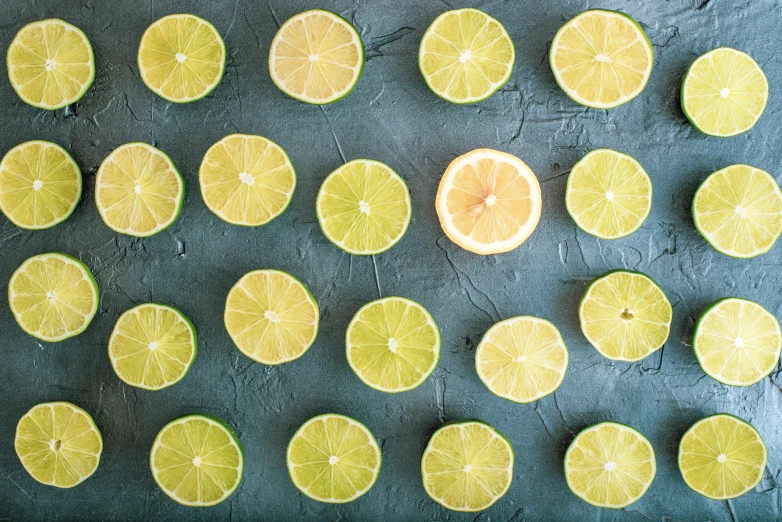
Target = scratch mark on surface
(252,27)
(374,48)
(274,15)
(703,5)
(15,483)
(459,275)
(542,419)
(439,397)
(561,415)
(377,277)
(233,20)
(554,177)
(731,511)
(333,134)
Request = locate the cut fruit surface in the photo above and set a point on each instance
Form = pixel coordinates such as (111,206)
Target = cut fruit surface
(197,460)
(40,185)
(601,59)
(522,359)
(610,465)
(467,466)
(50,64)
(333,459)
(316,57)
(247,180)
(609,194)
(181,58)
(488,201)
(364,207)
(466,56)
(625,315)
(271,316)
(393,344)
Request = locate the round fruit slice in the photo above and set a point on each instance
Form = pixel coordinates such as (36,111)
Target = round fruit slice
(50,64)
(246,180)
(488,201)
(393,344)
(40,185)
(58,444)
(271,316)
(625,315)
(601,59)
(610,465)
(316,57)
(737,342)
(333,458)
(364,207)
(467,466)
(466,56)
(53,296)
(724,92)
(722,457)
(609,194)
(138,190)
(522,359)
(152,346)
(181,58)
(197,460)
(738,211)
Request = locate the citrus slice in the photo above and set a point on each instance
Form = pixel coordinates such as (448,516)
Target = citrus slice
(58,444)
(488,201)
(364,207)
(625,315)
(316,57)
(197,460)
(53,296)
(724,92)
(467,466)
(601,58)
(393,344)
(738,211)
(609,194)
(737,342)
(40,185)
(522,359)
(722,457)
(332,458)
(181,58)
(138,190)
(466,56)
(610,465)
(50,64)
(246,180)
(152,346)
(271,316)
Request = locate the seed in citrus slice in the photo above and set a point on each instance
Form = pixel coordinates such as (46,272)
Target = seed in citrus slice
(466,56)
(316,57)
(609,194)
(610,465)
(333,458)
(40,185)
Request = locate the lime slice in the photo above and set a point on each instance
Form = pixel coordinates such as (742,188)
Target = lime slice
(316,57)
(393,344)
(50,64)
(364,207)
(724,92)
(609,194)
(625,315)
(181,58)
(467,466)
(601,58)
(522,359)
(610,465)
(466,56)
(53,296)
(333,459)
(40,185)
(488,201)
(271,316)
(722,457)
(138,190)
(197,460)
(738,211)
(247,180)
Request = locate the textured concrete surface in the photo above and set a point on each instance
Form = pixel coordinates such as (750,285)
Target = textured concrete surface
(392,117)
